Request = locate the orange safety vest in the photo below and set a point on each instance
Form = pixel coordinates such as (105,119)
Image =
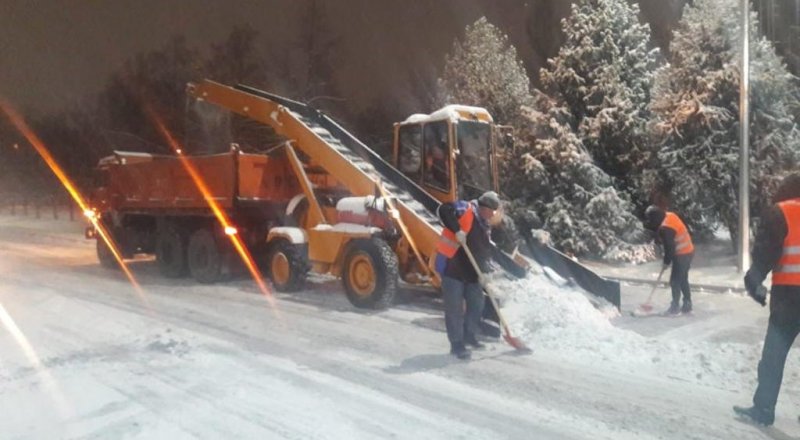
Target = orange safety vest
(788,271)
(683,241)
(448,245)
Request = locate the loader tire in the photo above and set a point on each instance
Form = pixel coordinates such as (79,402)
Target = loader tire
(370,273)
(203,257)
(171,252)
(286,265)
(104,254)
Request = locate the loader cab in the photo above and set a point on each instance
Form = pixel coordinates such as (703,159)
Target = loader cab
(449,153)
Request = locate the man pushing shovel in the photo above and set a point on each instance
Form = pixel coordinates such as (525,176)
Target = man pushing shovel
(678,252)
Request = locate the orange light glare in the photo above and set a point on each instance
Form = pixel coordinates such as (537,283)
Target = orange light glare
(18,122)
(48,380)
(219,213)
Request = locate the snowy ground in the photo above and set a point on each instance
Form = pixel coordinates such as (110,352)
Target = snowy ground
(84,357)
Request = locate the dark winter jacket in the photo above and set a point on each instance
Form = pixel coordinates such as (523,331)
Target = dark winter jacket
(772,231)
(667,238)
(459,267)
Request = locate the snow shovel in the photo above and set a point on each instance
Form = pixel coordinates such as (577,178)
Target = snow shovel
(512,341)
(647,307)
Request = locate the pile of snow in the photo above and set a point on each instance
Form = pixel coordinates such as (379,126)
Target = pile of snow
(563,322)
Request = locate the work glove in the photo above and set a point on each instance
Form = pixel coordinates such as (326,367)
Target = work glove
(759,295)
(483,280)
(461,237)
(755,290)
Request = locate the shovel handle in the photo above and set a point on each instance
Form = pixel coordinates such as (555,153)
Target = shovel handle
(486,288)
(658,281)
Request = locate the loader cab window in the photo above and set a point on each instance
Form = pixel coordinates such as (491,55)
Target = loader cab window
(474,159)
(410,151)
(436,172)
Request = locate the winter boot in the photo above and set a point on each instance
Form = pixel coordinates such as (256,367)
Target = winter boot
(461,352)
(474,343)
(687,306)
(674,308)
(756,415)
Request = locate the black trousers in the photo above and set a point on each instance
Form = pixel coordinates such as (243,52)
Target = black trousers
(784,325)
(679,278)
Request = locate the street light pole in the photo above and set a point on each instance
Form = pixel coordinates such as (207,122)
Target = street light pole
(744,143)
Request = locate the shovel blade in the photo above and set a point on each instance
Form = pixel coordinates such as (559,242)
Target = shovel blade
(515,342)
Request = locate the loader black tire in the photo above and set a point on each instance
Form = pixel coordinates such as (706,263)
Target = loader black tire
(203,257)
(104,254)
(286,265)
(370,273)
(171,252)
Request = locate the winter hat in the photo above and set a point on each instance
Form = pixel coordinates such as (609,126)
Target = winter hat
(490,200)
(654,216)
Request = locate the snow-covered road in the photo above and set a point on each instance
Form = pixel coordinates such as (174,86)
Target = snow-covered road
(90,359)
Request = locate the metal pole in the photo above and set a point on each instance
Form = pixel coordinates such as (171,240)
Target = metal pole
(744,143)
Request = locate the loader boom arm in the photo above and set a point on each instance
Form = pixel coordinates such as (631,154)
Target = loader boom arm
(316,136)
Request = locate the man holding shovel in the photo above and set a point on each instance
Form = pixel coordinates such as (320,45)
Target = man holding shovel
(678,251)
(466,223)
(777,250)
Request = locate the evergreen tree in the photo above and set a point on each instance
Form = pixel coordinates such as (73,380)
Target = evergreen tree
(558,182)
(483,69)
(603,76)
(696,118)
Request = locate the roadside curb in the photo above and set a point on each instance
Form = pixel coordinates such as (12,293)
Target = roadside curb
(716,288)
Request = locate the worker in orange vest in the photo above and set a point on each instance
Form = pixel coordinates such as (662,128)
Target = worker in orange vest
(678,251)
(465,222)
(776,249)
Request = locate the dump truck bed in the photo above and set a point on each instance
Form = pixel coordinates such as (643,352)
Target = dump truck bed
(142,182)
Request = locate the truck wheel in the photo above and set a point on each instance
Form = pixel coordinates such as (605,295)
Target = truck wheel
(204,257)
(171,253)
(370,273)
(286,266)
(105,255)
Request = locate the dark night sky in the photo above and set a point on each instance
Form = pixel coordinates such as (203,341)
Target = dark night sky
(54,52)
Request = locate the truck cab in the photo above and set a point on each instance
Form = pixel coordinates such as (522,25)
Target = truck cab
(449,153)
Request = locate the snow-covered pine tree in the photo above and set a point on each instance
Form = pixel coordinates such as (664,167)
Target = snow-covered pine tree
(483,69)
(603,76)
(549,175)
(559,183)
(696,107)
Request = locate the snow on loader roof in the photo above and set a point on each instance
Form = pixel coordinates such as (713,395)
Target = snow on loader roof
(452,113)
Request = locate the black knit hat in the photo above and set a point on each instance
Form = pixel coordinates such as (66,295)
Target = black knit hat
(653,217)
(490,200)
